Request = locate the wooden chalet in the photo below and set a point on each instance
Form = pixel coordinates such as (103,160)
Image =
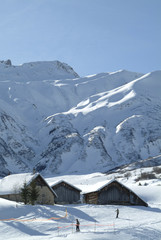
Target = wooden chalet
(113,192)
(67,193)
(10,187)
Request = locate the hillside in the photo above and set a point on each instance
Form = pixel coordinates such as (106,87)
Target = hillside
(58,122)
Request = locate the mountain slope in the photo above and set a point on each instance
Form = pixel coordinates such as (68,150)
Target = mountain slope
(117,127)
(62,123)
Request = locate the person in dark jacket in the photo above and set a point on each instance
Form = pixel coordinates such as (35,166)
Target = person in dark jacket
(77,225)
(117,213)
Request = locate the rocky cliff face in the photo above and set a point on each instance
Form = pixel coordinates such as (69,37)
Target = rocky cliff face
(53,120)
(16,152)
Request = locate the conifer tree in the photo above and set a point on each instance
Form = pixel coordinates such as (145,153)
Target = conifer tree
(25,193)
(33,193)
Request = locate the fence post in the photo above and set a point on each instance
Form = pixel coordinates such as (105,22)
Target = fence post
(114,227)
(72,227)
(95,227)
(58,229)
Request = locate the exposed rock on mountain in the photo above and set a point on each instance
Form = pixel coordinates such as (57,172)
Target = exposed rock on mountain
(53,120)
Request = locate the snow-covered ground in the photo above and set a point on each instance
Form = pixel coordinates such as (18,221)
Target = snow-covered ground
(96,222)
(65,124)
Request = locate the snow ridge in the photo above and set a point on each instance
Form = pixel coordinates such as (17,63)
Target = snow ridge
(53,120)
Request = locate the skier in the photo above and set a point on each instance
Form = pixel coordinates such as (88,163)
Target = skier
(117,213)
(77,225)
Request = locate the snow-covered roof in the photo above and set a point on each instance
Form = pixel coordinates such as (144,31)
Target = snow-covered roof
(96,187)
(106,184)
(12,184)
(60,181)
(113,180)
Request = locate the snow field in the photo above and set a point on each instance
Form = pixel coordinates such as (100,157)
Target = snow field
(96,222)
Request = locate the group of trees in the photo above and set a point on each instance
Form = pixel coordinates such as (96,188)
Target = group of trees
(29,195)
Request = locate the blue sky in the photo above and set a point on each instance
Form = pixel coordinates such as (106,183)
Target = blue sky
(92,36)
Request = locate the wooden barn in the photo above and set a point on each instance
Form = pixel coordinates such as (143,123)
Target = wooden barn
(10,187)
(113,192)
(67,193)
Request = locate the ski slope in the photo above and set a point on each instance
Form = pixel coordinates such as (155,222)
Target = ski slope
(97,222)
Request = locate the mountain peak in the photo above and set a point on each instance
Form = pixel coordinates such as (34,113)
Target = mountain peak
(55,66)
(6,62)
(37,71)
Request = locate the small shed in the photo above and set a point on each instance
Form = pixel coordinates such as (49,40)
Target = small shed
(10,187)
(113,192)
(66,192)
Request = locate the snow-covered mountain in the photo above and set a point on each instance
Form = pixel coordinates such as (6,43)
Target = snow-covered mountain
(53,120)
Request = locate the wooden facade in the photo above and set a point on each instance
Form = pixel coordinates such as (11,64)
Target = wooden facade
(46,194)
(114,193)
(67,193)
